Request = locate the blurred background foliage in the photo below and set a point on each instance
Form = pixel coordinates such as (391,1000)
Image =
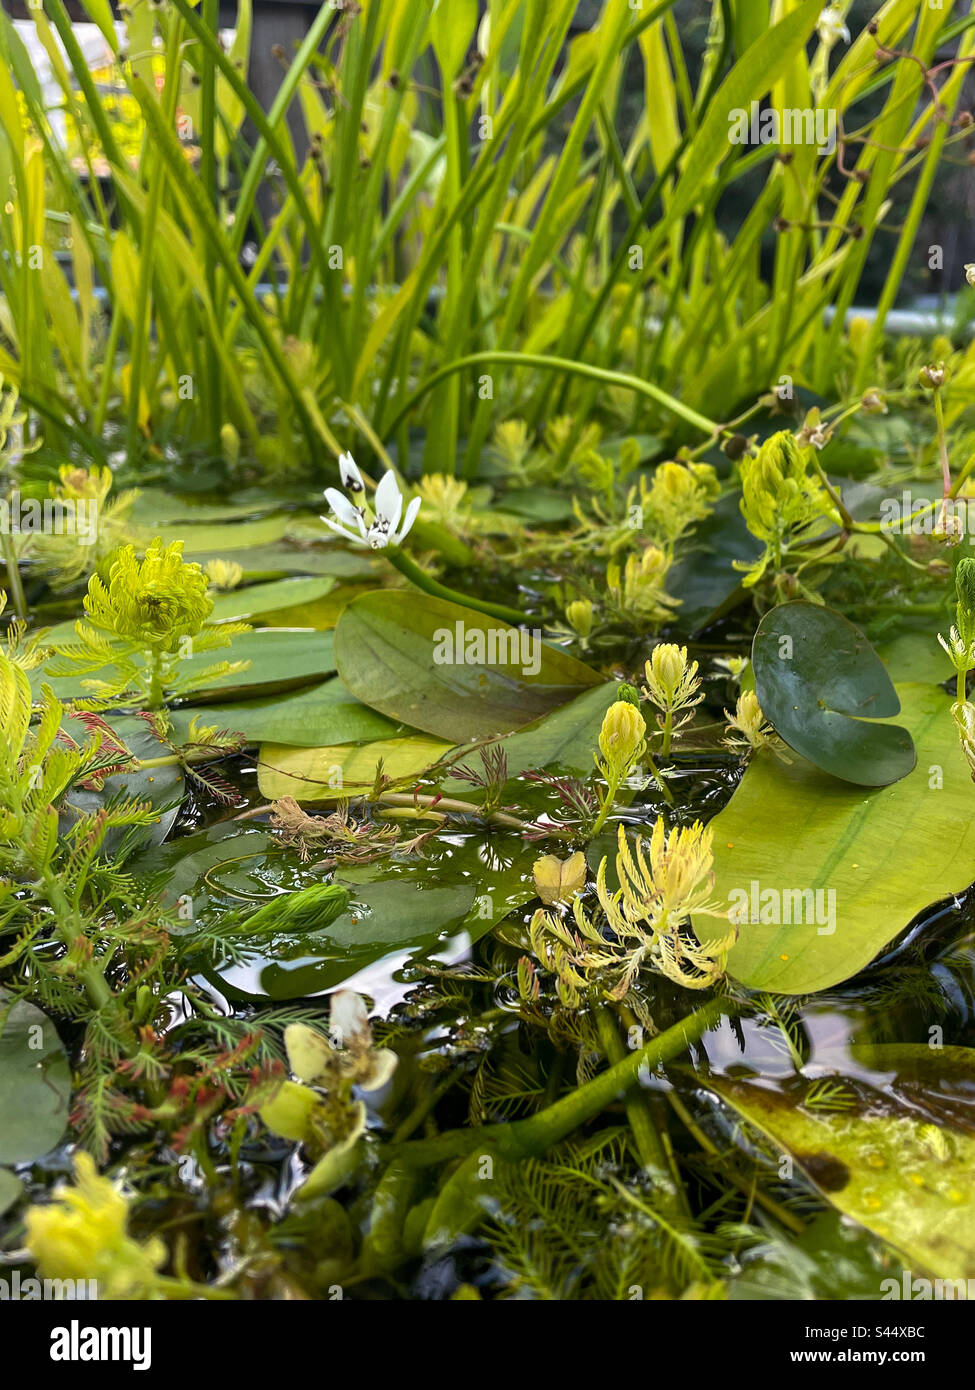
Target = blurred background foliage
(453,215)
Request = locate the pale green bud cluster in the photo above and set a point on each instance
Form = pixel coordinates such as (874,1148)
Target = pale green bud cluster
(778,495)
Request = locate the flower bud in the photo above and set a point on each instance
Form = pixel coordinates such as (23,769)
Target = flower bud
(748,725)
(229,444)
(667,665)
(965,594)
(223,574)
(932,378)
(622,735)
(579,616)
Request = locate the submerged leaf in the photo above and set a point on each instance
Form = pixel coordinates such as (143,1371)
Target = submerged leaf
(901,1161)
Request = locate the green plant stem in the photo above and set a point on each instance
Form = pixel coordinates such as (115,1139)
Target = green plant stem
(412,571)
(179,1289)
(660,781)
(612,786)
(557,364)
(14,582)
(531,1137)
(155,697)
(69,928)
(650,1146)
(464,808)
(668,733)
(425,1105)
(939,415)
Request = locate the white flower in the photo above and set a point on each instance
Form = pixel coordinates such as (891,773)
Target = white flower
(355,523)
(830,26)
(348,1018)
(350,475)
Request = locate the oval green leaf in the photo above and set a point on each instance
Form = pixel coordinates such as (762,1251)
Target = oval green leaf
(820,683)
(448,670)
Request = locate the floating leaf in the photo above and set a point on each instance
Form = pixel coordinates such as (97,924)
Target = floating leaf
(901,1161)
(258,600)
(284,558)
(320,714)
(427,662)
(35,1082)
(323,613)
(442,902)
(219,538)
(10,1189)
(279,658)
(879,857)
(561,742)
(346,769)
(819,682)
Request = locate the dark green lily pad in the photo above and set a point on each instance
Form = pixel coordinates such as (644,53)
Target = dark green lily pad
(10,1189)
(35,1082)
(819,682)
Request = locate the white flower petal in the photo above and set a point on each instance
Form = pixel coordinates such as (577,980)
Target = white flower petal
(384,1063)
(349,473)
(345,511)
(409,519)
(348,1018)
(340,530)
(388,501)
